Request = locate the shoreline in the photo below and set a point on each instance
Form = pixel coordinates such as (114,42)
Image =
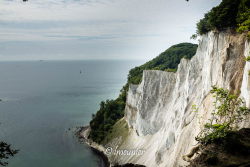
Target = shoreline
(82,135)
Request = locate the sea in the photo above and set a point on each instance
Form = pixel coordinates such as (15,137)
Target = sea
(42,102)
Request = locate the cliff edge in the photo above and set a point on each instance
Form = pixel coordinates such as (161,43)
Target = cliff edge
(159,115)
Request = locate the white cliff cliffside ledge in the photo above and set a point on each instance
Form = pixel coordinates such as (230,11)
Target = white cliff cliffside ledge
(159,110)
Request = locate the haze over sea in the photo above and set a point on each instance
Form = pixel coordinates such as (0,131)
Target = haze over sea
(42,101)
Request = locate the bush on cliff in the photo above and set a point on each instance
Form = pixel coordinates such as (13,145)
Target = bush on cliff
(221,143)
(229,111)
(112,110)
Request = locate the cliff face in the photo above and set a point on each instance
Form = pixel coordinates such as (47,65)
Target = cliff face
(159,110)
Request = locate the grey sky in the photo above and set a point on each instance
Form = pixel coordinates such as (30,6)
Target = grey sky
(96,29)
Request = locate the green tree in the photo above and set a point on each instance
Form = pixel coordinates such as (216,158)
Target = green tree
(6,152)
(232,14)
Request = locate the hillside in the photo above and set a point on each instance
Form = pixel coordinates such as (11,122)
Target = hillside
(112,110)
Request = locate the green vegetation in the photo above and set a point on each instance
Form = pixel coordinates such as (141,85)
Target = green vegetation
(243,17)
(113,110)
(120,129)
(171,70)
(247,58)
(166,60)
(108,114)
(233,14)
(6,152)
(229,110)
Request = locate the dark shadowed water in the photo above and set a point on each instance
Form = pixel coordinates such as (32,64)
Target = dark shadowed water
(42,100)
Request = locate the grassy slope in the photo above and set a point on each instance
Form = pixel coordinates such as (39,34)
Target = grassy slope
(120,129)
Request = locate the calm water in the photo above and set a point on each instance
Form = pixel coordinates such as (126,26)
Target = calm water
(42,100)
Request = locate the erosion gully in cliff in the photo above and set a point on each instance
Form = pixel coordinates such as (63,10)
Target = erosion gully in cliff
(159,112)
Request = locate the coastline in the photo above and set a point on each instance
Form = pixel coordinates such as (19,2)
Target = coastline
(82,134)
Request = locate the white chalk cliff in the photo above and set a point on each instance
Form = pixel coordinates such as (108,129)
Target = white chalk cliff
(159,110)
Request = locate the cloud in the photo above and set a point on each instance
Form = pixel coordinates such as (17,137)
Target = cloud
(63,29)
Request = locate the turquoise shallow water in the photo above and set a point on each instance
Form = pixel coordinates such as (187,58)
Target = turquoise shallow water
(44,100)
